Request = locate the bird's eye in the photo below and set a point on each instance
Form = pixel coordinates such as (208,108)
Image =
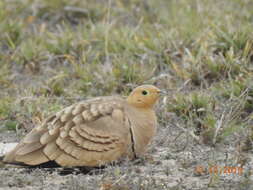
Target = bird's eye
(144,92)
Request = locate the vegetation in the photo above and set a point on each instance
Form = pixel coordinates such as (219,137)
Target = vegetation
(56,52)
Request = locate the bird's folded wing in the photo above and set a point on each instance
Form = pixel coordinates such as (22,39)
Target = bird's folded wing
(88,133)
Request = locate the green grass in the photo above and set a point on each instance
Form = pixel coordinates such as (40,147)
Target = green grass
(54,53)
(81,49)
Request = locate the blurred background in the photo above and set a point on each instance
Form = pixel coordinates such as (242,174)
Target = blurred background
(56,52)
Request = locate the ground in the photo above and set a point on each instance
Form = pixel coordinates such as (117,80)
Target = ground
(57,52)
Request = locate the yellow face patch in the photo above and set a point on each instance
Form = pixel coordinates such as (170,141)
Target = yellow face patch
(144,96)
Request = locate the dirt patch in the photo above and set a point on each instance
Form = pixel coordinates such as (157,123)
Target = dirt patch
(55,53)
(174,161)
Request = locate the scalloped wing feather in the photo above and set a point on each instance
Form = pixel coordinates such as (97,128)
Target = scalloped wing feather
(89,133)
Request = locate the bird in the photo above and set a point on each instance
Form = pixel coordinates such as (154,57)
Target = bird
(92,132)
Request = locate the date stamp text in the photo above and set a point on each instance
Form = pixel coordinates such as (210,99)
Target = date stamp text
(225,170)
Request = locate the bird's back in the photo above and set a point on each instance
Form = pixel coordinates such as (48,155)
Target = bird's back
(89,133)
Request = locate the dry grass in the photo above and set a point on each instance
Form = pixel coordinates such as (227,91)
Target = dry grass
(54,53)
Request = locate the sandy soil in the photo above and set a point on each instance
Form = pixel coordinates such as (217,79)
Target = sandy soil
(175,161)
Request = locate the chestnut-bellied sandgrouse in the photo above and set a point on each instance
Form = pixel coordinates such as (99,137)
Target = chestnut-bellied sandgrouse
(93,132)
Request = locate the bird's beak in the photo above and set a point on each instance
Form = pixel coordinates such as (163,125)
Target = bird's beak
(163,92)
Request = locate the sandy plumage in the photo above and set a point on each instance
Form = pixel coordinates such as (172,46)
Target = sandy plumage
(92,132)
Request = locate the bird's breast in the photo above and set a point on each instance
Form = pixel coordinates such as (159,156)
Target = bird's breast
(143,125)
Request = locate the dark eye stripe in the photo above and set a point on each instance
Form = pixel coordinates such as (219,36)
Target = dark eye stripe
(144,92)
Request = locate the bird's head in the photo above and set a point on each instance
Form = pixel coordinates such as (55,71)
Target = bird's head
(144,96)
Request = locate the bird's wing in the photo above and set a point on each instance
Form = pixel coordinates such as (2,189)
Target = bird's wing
(89,133)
